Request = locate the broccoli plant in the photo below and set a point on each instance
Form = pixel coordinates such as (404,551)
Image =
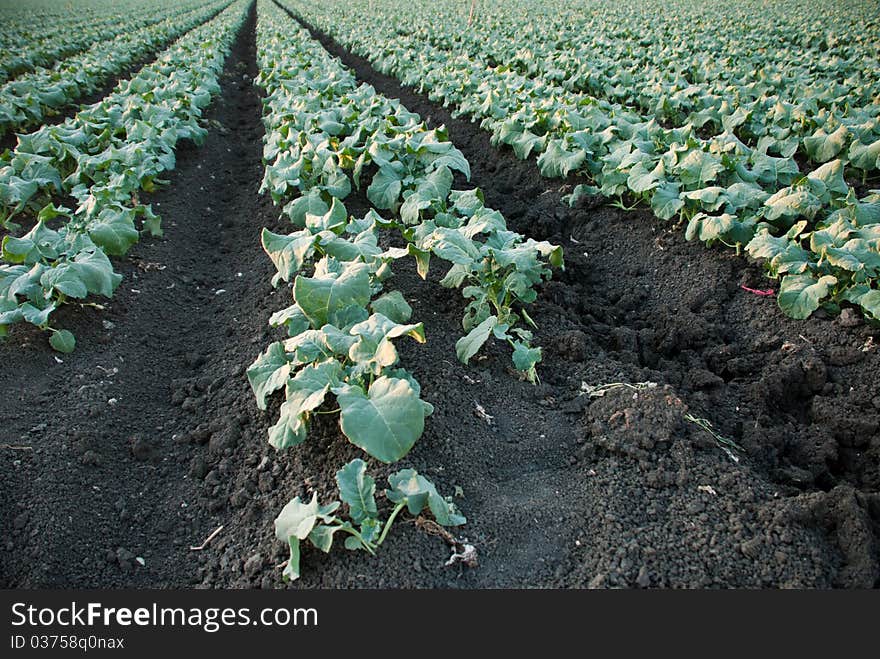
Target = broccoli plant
(363,527)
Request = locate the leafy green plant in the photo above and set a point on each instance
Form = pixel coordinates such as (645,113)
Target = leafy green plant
(363,527)
(32,98)
(102,157)
(352,356)
(677,133)
(324,134)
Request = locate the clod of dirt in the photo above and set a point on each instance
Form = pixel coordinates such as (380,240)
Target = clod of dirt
(142,450)
(253,565)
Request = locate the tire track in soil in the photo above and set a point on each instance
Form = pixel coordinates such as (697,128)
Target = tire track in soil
(108,480)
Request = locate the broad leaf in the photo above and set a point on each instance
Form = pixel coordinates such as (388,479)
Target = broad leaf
(386,422)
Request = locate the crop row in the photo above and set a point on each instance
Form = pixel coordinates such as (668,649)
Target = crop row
(33,97)
(811,229)
(102,158)
(327,136)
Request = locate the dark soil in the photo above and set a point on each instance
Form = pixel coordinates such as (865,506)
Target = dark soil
(560,489)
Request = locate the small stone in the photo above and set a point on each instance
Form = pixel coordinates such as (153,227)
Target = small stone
(20,521)
(750,547)
(644,578)
(125,558)
(815,373)
(199,467)
(200,436)
(253,564)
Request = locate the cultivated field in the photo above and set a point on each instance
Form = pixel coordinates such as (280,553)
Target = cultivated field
(537,293)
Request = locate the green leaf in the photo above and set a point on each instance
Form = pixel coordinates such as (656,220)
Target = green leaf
(830,176)
(36,315)
(642,180)
(374,350)
(710,198)
(423,259)
(63,341)
(855,255)
(386,422)
(586,191)
(556,162)
(822,147)
(297,519)
(870,302)
(745,195)
(792,202)
(774,171)
(89,272)
(292,317)
(665,202)
(39,243)
(452,245)
(305,392)
(433,188)
(291,570)
(726,227)
(334,219)
(783,253)
(698,168)
(322,536)
(384,191)
(525,358)
(269,373)
(288,252)
(801,295)
(357,489)
(393,306)
(114,230)
(468,345)
(309,204)
(327,296)
(418,493)
(865,156)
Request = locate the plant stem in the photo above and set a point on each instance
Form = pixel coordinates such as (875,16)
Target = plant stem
(389,522)
(357,535)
